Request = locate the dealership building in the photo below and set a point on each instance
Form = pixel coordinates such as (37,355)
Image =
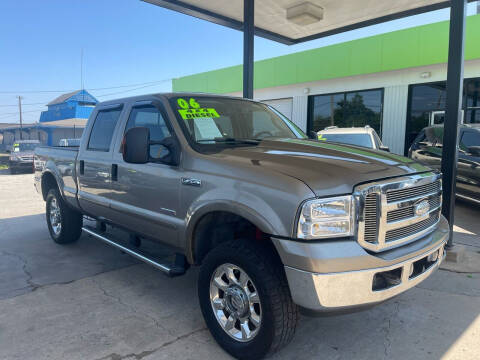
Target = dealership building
(66,117)
(393,82)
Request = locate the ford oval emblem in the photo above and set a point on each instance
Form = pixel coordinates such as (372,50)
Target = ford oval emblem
(421,208)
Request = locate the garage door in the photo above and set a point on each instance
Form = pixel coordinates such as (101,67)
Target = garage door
(282,105)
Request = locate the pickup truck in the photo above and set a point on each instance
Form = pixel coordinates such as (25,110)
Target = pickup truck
(279,223)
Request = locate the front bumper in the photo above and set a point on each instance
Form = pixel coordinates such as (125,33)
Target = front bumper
(349,290)
(20,164)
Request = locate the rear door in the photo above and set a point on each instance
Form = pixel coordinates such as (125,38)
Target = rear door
(145,197)
(94,162)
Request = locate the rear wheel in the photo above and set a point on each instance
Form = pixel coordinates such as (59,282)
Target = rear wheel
(64,223)
(245,299)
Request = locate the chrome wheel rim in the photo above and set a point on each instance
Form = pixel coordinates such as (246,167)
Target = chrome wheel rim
(55,217)
(235,302)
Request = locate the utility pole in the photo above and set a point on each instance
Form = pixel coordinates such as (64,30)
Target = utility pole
(20,112)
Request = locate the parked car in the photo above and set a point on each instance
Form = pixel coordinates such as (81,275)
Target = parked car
(427,148)
(276,221)
(359,136)
(21,155)
(69,142)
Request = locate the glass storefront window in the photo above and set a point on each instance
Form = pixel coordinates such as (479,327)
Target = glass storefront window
(348,109)
(426,106)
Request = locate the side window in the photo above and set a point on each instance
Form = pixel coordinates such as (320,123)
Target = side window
(150,117)
(469,138)
(102,130)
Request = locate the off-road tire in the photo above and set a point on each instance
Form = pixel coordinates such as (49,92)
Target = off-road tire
(71,220)
(279,314)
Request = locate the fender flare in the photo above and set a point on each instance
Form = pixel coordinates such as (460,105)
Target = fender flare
(57,178)
(225,206)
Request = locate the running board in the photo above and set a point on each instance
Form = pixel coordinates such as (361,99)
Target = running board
(169,269)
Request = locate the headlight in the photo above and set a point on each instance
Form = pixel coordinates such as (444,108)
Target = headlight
(326,218)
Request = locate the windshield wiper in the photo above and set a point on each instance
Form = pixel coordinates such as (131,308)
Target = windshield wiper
(231,140)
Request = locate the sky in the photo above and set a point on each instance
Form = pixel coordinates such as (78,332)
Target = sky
(129,48)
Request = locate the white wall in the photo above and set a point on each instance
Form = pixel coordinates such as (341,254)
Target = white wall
(394,117)
(395,84)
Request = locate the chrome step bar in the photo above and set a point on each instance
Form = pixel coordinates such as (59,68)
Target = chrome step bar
(169,269)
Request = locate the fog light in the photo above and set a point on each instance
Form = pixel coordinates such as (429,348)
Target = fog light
(433,257)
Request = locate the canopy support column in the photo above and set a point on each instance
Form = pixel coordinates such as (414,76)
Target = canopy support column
(248,32)
(458,11)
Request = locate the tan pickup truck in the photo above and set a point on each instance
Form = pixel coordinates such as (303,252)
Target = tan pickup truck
(276,221)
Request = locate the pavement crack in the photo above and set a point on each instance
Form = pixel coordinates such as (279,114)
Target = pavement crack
(31,284)
(459,272)
(129,306)
(388,342)
(141,355)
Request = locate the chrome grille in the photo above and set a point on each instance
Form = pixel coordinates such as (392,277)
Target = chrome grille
(371,217)
(388,211)
(409,230)
(402,194)
(407,212)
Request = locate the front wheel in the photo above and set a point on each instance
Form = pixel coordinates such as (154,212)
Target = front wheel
(245,299)
(64,223)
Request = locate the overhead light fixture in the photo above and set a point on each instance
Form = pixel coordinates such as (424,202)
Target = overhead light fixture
(305,14)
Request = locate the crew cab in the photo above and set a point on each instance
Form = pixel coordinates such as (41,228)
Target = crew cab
(277,222)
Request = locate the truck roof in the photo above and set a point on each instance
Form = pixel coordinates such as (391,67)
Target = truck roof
(167,95)
(351,130)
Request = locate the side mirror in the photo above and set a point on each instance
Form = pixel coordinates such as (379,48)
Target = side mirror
(474,150)
(384,148)
(172,156)
(312,135)
(138,149)
(136,145)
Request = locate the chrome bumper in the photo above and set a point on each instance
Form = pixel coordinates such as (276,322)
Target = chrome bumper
(331,292)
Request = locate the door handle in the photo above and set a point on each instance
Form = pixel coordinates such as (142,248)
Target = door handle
(82,167)
(114,172)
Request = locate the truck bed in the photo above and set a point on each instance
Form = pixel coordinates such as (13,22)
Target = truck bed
(60,161)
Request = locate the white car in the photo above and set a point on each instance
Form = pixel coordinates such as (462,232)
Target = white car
(359,136)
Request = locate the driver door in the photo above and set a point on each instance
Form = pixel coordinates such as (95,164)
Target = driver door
(145,197)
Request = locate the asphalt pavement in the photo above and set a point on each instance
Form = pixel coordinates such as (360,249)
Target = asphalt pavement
(89,301)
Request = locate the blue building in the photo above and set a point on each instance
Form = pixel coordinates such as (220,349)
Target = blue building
(65,118)
(75,105)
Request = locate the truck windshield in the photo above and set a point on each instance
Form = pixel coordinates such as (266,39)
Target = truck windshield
(24,147)
(209,121)
(363,140)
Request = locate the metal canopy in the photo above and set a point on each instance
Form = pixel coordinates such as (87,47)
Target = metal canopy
(271,20)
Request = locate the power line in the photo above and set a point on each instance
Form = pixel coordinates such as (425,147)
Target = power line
(15,105)
(90,89)
(125,91)
(17,113)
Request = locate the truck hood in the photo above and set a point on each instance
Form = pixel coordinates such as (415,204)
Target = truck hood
(327,168)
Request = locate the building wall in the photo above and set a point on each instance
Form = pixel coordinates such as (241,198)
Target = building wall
(403,49)
(67,110)
(395,100)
